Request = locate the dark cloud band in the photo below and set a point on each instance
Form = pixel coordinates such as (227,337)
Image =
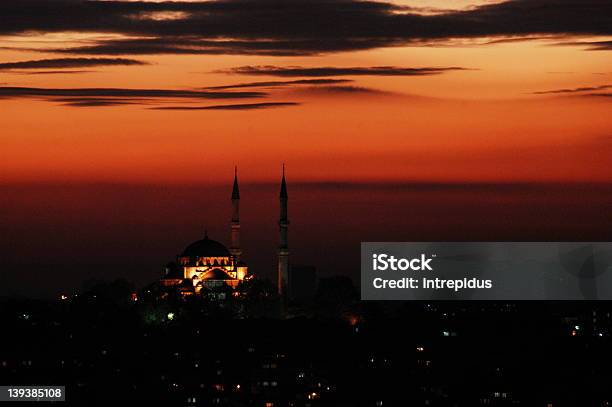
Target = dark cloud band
(574,90)
(281,83)
(100,97)
(294,27)
(590,45)
(118,92)
(335,71)
(243,106)
(61,63)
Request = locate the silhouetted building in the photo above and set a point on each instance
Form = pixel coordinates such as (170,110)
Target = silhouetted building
(283,248)
(208,265)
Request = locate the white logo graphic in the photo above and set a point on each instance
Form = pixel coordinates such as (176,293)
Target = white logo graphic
(384,262)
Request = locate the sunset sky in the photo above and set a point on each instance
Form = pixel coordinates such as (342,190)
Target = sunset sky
(468,90)
(121,123)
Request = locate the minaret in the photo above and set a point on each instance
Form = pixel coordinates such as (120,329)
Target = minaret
(283,248)
(235,240)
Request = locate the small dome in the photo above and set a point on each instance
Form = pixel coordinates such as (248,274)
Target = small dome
(206,248)
(216,274)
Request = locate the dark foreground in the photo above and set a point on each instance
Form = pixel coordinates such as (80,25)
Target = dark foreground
(173,353)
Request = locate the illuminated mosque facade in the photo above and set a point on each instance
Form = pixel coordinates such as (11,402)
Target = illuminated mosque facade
(207,265)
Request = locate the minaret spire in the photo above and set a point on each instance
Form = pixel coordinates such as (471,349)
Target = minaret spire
(283,248)
(235,189)
(235,224)
(283,191)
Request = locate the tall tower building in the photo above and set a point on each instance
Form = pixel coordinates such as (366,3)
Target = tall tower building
(235,224)
(283,248)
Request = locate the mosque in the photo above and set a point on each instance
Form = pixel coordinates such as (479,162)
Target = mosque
(207,266)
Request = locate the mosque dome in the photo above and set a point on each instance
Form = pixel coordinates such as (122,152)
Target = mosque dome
(206,248)
(216,274)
